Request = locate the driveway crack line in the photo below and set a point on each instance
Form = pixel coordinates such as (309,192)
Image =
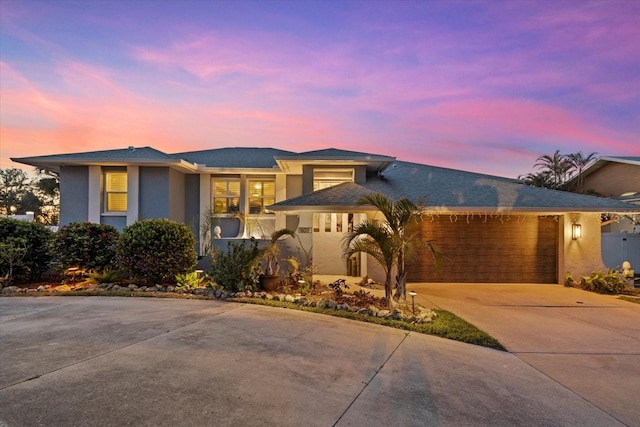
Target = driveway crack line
(36,376)
(366,384)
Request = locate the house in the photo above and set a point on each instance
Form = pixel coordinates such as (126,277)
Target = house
(617,178)
(488,228)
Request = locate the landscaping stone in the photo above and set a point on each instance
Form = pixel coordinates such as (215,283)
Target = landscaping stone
(365,311)
(398,313)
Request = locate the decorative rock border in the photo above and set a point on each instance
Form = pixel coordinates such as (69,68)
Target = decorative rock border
(422,315)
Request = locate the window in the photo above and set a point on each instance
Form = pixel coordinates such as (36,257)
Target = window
(115,191)
(262,193)
(325,178)
(226,196)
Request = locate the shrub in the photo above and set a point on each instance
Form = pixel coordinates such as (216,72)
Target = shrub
(106,276)
(156,250)
(187,281)
(87,246)
(25,249)
(238,267)
(611,282)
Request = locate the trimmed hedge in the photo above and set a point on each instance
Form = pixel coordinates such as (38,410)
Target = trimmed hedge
(26,245)
(86,245)
(156,250)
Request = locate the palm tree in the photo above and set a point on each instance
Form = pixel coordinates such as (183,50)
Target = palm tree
(375,239)
(391,241)
(538,179)
(580,162)
(557,165)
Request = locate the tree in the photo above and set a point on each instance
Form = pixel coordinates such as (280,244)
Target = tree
(539,179)
(19,194)
(14,185)
(392,241)
(555,171)
(580,162)
(557,165)
(374,239)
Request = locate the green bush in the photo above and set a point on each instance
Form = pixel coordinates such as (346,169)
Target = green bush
(237,268)
(86,245)
(106,276)
(25,250)
(186,281)
(611,282)
(156,250)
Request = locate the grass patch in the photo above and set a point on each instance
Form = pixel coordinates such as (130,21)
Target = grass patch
(630,299)
(446,324)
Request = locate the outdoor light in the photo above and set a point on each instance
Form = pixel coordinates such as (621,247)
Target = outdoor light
(413,301)
(576,231)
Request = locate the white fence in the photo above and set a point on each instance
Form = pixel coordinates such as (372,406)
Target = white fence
(620,247)
(28,217)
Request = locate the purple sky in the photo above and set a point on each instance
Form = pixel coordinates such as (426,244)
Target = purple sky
(482,86)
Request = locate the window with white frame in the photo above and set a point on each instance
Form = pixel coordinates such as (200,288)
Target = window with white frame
(115,190)
(226,195)
(262,193)
(325,178)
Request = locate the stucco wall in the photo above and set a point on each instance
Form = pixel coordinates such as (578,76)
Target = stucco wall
(74,193)
(192,203)
(582,256)
(614,179)
(176,196)
(154,192)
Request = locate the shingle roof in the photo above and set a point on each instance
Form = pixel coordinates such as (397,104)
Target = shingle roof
(455,190)
(131,154)
(238,157)
(334,152)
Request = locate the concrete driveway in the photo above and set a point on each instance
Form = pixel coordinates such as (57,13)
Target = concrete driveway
(136,361)
(586,342)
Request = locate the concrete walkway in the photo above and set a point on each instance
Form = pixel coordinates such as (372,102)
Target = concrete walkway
(136,361)
(586,342)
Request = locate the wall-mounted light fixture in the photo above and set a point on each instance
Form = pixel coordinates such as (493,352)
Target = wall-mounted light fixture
(576,231)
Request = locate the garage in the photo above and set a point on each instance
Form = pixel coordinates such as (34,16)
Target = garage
(489,249)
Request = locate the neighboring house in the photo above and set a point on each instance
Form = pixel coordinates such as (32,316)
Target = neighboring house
(488,229)
(617,178)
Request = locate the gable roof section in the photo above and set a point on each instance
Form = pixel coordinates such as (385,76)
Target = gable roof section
(444,189)
(603,161)
(238,157)
(293,162)
(142,155)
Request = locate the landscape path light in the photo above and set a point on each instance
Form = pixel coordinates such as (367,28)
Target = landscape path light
(413,301)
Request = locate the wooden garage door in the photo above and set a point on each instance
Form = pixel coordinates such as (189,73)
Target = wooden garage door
(489,250)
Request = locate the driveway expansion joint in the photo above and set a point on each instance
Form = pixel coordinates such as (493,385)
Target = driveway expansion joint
(366,383)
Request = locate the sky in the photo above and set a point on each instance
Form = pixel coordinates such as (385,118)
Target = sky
(483,86)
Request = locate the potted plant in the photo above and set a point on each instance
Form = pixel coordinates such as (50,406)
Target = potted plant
(271,260)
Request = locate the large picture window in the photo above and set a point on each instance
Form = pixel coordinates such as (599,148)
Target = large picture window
(262,193)
(115,191)
(226,196)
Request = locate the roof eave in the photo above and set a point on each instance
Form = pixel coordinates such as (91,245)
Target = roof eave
(47,164)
